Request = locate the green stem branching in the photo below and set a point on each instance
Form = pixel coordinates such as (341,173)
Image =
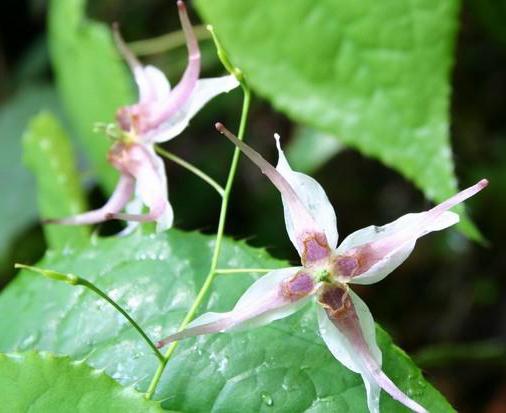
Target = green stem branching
(75,280)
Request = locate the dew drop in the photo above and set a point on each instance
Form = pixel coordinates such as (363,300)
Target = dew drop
(267,398)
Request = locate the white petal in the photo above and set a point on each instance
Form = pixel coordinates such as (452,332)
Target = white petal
(205,90)
(377,251)
(337,342)
(346,352)
(264,288)
(352,340)
(312,196)
(159,86)
(393,246)
(151,188)
(261,304)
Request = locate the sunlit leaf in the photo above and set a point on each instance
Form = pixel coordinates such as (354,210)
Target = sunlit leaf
(49,155)
(156,278)
(375,75)
(42,383)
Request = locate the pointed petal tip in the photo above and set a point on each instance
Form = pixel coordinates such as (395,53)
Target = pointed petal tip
(181,6)
(219,127)
(483,183)
(277,138)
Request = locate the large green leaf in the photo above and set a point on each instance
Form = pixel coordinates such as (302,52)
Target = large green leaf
(18,208)
(285,365)
(90,76)
(48,153)
(42,383)
(373,74)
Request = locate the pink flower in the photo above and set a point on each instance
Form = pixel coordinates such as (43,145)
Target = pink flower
(364,257)
(160,114)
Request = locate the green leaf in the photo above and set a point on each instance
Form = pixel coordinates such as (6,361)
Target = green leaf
(41,383)
(48,153)
(374,75)
(156,278)
(91,78)
(18,208)
(310,149)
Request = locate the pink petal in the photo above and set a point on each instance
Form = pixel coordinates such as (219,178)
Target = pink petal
(151,82)
(205,90)
(348,329)
(370,254)
(312,195)
(119,198)
(147,168)
(183,90)
(310,240)
(276,295)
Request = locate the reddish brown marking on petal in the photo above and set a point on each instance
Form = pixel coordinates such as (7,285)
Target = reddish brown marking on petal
(300,285)
(340,309)
(335,300)
(358,260)
(315,248)
(123,118)
(118,156)
(135,118)
(347,265)
(127,157)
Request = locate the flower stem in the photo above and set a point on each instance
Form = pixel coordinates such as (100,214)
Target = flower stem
(217,245)
(166,42)
(76,280)
(241,270)
(193,169)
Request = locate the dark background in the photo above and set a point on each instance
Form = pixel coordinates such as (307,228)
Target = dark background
(446,305)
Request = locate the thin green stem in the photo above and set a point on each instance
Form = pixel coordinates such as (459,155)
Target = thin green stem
(217,246)
(193,169)
(98,291)
(166,42)
(76,280)
(241,270)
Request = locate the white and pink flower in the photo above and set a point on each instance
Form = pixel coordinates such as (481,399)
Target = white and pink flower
(364,257)
(160,114)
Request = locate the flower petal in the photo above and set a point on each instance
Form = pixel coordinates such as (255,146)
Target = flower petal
(310,240)
(376,265)
(179,96)
(263,302)
(205,90)
(159,86)
(312,196)
(151,82)
(119,198)
(151,188)
(347,327)
(372,253)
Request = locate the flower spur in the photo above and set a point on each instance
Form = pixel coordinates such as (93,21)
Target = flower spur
(159,115)
(364,257)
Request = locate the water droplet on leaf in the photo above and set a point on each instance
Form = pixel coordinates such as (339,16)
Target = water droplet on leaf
(267,398)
